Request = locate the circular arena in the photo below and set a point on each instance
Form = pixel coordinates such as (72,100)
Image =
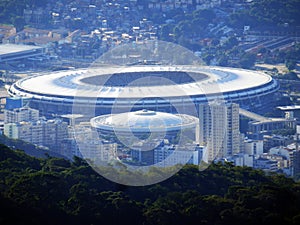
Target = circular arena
(151,87)
(143,123)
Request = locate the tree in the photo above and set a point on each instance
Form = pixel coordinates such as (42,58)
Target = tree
(223,60)
(19,23)
(75,194)
(230,43)
(291,64)
(247,60)
(165,32)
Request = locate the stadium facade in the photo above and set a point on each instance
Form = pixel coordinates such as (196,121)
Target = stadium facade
(172,89)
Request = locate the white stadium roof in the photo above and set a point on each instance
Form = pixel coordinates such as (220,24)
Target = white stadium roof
(14,48)
(12,52)
(69,83)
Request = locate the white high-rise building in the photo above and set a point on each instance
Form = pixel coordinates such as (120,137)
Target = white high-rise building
(88,144)
(48,133)
(254,147)
(18,115)
(170,155)
(219,129)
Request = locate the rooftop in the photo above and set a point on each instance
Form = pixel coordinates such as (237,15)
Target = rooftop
(143,120)
(290,107)
(204,81)
(13,48)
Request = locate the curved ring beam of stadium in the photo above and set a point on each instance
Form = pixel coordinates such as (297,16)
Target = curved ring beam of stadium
(55,92)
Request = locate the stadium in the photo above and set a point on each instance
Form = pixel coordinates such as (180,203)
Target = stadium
(172,89)
(141,124)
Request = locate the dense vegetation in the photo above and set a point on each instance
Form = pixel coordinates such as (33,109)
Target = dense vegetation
(268,13)
(259,14)
(191,30)
(56,191)
(11,11)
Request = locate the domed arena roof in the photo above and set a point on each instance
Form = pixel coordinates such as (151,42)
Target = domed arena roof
(143,121)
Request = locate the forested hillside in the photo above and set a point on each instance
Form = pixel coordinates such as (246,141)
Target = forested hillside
(11,11)
(268,13)
(56,191)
